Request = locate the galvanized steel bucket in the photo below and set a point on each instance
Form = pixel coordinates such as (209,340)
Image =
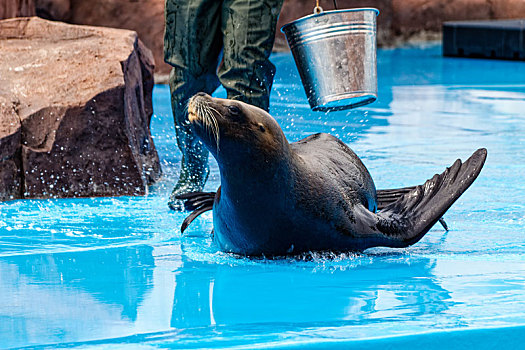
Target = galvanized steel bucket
(335,53)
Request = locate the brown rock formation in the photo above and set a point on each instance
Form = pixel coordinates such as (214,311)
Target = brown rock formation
(59,10)
(16,8)
(412,16)
(505,9)
(146,17)
(10,132)
(75,110)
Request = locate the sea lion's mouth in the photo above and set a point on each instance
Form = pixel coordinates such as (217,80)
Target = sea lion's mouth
(192,117)
(201,112)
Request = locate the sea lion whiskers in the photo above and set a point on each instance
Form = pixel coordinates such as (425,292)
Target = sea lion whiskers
(205,111)
(212,110)
(213,125)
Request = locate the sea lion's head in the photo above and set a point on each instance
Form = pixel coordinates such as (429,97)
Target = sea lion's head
(236,133)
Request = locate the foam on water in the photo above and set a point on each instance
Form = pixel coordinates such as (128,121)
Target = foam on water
(116,272)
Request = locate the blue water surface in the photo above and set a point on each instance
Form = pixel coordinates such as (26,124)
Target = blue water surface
(112,273)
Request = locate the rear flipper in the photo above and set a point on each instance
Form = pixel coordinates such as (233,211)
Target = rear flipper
(405,221)
(386,197)
(198,203)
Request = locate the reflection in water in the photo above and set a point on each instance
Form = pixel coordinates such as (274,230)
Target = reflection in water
(373,290)
(72,295)
(90,271)
(103,293)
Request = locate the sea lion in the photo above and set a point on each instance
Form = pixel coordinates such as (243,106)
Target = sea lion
(279,198)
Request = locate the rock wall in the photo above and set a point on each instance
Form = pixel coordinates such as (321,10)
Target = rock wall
(75,109)
(17,8)
(412,16)
(10,136)
(146,17)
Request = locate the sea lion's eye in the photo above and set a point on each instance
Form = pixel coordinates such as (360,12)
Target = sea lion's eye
(234,110)
(261,127)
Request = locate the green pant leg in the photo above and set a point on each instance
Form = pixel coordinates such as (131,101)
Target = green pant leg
(248,28)
(192,43)
(194,163)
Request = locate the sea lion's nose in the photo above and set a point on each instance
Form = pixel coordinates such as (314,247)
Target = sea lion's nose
(202,96)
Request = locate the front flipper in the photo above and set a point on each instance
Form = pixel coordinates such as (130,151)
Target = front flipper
(194,200)
(405,221)
(198,203)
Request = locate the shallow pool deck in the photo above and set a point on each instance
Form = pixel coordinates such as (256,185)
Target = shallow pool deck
(116,273)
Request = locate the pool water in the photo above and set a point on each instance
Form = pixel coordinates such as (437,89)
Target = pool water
(116,272)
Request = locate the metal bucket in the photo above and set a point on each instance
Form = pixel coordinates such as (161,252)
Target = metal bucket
(335,53)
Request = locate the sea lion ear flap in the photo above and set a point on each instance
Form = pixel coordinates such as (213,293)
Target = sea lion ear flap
(408,219)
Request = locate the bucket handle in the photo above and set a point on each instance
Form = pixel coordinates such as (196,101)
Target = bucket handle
(317,9)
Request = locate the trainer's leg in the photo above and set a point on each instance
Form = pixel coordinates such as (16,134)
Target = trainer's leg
(248,28)
(192,44)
